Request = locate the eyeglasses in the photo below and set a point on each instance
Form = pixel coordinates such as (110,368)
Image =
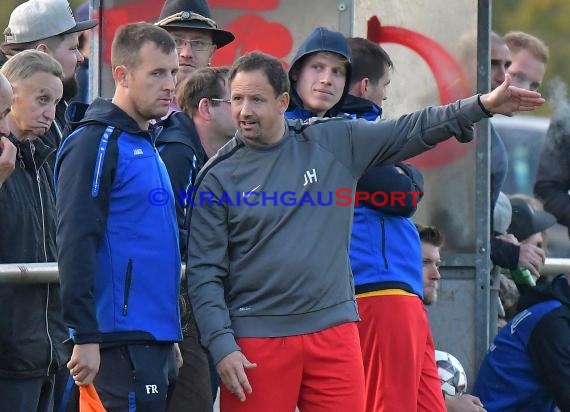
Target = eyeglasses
(214,99)
(196,45)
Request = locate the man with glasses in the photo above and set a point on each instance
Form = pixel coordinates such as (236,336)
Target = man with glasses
(196,35)
(195,133)
(189,137)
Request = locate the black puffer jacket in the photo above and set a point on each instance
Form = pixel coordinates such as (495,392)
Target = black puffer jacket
(31,326)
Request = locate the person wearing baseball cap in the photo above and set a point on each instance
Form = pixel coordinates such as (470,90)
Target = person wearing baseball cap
(49,26)
(197,36)
(528,223)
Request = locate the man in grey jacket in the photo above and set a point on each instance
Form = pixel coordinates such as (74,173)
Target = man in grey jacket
(268,270)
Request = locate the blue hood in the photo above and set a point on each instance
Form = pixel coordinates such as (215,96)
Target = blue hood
(322,40)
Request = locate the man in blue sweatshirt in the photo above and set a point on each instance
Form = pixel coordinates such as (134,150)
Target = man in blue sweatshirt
(527,367)
(117,237)
(386,261)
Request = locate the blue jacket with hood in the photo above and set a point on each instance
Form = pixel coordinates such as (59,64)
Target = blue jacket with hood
(118,255)
(385,248)
(527,368)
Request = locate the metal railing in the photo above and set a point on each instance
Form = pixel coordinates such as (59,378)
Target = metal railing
(37,272)
(48,272)
(555,266)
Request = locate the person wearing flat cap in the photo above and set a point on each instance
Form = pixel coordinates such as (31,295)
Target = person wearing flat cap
(196,35)
(49,26)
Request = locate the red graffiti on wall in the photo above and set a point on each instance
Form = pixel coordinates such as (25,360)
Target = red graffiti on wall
(252,31)
(449,76)
(255,33)
(257,5)
(146,10)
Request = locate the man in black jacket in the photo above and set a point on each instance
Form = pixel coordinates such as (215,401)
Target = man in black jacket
(31,326)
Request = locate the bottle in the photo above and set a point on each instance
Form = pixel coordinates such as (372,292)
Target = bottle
(522,276)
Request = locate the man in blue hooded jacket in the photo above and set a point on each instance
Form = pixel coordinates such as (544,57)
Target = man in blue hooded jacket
(527,367)
(386,261)
(117,237)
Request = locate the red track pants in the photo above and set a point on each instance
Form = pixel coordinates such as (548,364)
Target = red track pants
(319,372)
(398,354)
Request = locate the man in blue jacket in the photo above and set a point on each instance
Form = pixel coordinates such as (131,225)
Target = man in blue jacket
(386,261)
(527,367)
(117,235)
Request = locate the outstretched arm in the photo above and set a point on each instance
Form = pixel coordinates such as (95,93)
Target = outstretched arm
(417,132)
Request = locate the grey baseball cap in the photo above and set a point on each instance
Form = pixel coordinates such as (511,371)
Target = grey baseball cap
(35,20)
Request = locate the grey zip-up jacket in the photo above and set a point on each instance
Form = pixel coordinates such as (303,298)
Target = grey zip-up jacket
(265,260)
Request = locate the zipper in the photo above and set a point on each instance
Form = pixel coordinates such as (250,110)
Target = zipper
(128,280)
(384,243)
(37,170)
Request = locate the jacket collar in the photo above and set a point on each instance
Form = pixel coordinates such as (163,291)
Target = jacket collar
(31,154)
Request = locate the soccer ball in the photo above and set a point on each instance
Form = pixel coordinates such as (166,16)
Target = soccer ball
(451,373)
